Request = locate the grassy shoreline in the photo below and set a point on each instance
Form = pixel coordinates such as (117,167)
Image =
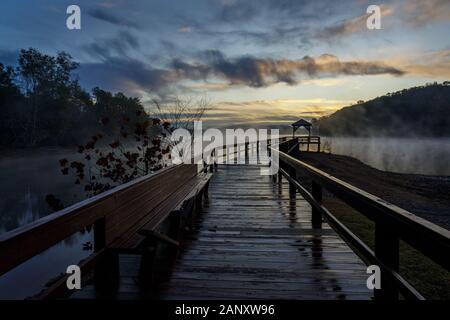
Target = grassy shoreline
(431,280)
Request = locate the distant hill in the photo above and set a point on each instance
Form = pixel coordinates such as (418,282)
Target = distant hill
(418,111)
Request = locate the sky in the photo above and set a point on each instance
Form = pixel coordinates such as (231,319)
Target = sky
(258,62)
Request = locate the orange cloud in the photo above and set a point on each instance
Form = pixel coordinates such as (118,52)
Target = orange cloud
(435,65)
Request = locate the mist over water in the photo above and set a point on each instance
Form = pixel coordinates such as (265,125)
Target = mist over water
(401,155)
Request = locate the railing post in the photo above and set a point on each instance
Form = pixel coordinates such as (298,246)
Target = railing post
(293,175)
(280,175)
(212,156)
(225,157)
(215,159)
(387,250)
(175,226)
(316,216)
(247,160)
(236,153)
(257,151)
(146,268)
(106,273)
(99,234)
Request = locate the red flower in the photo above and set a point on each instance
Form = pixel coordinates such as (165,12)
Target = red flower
(115,144)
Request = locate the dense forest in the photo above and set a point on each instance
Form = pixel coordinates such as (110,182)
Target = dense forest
(42,104)
(418,111)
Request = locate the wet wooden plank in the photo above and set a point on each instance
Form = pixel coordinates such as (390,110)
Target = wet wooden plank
(253,242)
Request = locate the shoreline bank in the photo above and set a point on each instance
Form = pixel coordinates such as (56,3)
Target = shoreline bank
(425,196)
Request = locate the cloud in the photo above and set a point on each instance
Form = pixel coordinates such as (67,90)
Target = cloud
(129,75)
(351,26)
(421,12)
(263,72)
(107,4)
(233,11)
(434,65)
(270,22)
(298,34)
(104,15)
(119,45)
(126,75)
(245,10)
(185,29)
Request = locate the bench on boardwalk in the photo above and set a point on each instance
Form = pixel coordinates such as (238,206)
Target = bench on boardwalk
(144,238)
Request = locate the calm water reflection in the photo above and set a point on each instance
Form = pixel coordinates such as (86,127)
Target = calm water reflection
(27,177)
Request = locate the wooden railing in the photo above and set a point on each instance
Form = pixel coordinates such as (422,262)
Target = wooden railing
(309,140)
(112,214)
(248,146)
(391,224)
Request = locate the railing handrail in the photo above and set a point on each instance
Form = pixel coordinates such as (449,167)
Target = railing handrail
(424,227)
(428,238)
(364,249)
(7,236)
(79,205)
(12,242)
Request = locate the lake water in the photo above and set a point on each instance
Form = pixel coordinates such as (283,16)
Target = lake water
(28,176)
(402,155)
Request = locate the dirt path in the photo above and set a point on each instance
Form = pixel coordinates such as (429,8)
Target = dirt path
(426,196)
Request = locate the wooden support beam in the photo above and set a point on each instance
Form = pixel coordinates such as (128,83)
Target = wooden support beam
(106,274)
(280,175)
(293,174)
(316,216)
(146,275)
(246,153)
(205,190)
(257,151)
(99,234)
(387,250)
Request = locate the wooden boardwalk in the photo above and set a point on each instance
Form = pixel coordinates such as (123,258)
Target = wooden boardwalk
(253,242)
(252,239)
